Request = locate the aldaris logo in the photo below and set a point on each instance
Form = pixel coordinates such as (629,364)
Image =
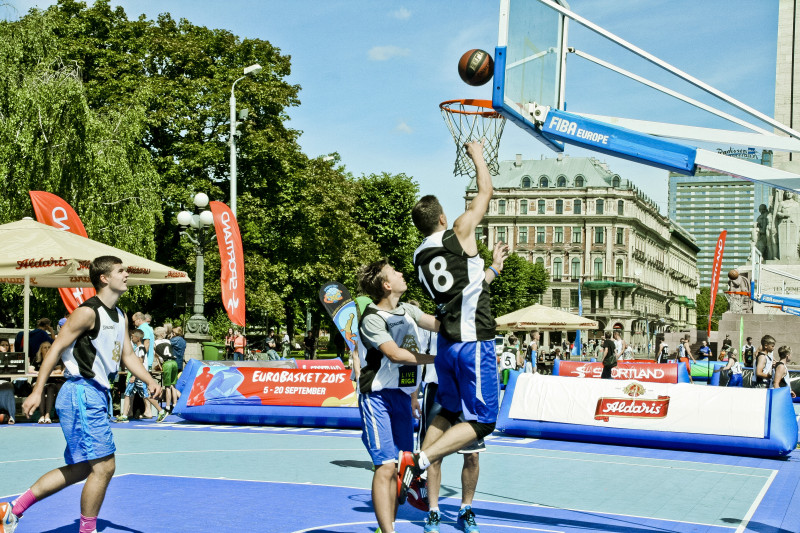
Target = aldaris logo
(635,405)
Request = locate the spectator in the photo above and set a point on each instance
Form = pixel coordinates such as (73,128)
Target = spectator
(764,362)
(136,386)
(286,344)
(271,346)
(684,350)
(52,387)
(140,321)
(619,344)
(169,371)
(609,358)
(748,353)
(735,369)
(310,344)
(229,338)
(239,343)
(8,406)
(780,372)
(178,346)
(705,351)
(42,333)
(5,346)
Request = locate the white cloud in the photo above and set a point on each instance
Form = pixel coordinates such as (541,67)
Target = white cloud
(402,127)
(384,53)
(401,14)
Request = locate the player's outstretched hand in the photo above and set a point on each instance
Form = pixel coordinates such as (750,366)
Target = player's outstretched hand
(155,390)
(31,403)
(499,255)
(475,149)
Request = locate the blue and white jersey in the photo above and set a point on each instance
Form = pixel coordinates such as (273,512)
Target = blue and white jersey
(95,354)
(377,327)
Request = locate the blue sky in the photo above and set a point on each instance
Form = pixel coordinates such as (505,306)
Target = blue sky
(373,73)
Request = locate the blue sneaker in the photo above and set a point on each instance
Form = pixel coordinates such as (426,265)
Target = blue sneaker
(432,522)
(9,519)
(466,521)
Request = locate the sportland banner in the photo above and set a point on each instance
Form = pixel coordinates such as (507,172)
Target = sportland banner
(222,385)
(54,211)
(629,404)
(231,259)
(715,268)
(653,373)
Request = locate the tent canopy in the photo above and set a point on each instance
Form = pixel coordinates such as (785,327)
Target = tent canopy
(55,258)
(540,317)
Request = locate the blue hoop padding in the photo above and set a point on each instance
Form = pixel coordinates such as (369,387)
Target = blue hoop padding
(683,374)
(271,415)
(780,439)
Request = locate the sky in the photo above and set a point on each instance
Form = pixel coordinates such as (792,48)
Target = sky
(373,73)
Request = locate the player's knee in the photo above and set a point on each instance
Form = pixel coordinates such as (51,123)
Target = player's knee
(482,429)
(104,467)
(450,416)
(471,460)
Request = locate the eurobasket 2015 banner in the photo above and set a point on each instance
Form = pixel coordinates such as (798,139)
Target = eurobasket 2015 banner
(272,386)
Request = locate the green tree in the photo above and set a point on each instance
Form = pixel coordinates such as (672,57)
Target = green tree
(518,286)
(704,304)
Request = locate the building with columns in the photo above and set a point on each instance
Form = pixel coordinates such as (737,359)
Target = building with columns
(600,239)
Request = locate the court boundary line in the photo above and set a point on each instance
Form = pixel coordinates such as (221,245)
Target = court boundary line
(754,507)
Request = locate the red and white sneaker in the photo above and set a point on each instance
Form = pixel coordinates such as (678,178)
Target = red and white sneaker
(407,471)
(418,495)
(10,520)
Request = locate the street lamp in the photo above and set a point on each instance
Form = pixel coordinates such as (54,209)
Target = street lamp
(193,227)
(252,69)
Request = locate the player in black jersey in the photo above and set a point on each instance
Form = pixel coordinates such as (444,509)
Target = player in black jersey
(453,274)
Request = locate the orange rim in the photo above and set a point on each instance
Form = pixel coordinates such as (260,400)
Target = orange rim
(484,107)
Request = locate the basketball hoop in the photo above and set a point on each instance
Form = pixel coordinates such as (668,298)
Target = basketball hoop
(472,120)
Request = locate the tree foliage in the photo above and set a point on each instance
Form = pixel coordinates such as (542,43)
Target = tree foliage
(704,304)
(519,285)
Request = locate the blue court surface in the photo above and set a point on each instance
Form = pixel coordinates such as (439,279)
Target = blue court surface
(180,477)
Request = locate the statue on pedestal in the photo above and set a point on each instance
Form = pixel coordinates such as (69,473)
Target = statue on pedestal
(738,293)
(787,218)
(764,233)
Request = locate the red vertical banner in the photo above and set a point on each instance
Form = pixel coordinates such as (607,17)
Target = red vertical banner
(54,211)
(232,261)
(715,268)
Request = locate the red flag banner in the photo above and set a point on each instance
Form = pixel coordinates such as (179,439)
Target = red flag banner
(232,260)
(54,211)
(715,268)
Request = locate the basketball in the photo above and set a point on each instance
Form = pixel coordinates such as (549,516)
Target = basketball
(476,67)
(733,274)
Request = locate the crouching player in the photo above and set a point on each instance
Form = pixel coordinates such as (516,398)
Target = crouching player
(389,354)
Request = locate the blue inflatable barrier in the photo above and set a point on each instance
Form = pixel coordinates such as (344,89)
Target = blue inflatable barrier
(230,408)
(779,439)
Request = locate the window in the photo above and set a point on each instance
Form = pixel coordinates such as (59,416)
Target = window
(544,182)
(619,270)
(501,234)
(573,298)
(479,233)
(620,208)
(576,235)
(540,262)
(540,207)
(561,181)
(620,236)
(540,234)
(523,207)
(559,207)
(558,235)
(556,297)
(523,235)
(576,207)
(598,235)
(599,206)
(575,268)
(598,268)
(501,207)
(526,182)
(579,181)
(615,182)
(558,270)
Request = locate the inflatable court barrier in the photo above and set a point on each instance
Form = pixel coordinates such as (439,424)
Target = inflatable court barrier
(722,378)
(704,370)
(273,393)
(681,416)
(658,373)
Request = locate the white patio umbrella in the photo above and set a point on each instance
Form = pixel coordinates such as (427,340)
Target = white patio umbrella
(540,317)
(38,255)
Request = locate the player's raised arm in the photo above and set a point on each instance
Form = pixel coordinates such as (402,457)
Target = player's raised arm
(464,226)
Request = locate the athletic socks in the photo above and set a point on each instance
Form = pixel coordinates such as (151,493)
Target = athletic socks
(424,463)
(88,524)
(23,502)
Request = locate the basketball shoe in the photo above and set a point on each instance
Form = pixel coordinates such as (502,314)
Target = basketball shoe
(407,470)
(466,521)
(10,520)
(418,495)
(432,522)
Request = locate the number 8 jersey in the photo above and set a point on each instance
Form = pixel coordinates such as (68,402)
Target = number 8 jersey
(457,283)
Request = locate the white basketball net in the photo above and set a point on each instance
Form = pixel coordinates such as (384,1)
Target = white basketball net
(473,120)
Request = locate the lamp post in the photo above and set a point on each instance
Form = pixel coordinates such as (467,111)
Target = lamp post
(252,69)
(193,227)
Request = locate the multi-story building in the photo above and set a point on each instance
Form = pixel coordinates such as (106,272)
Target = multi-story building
(595,231)
(709,202)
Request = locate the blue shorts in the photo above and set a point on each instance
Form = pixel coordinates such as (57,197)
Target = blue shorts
(82,408)
(467,373)
(430,409)
(387,424)
(735,380)
(137,387)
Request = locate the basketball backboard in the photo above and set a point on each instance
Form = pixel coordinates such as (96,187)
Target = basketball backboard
(531,83)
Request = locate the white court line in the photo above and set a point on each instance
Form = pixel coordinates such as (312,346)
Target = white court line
(667,467)
(421,523)
(750,512)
